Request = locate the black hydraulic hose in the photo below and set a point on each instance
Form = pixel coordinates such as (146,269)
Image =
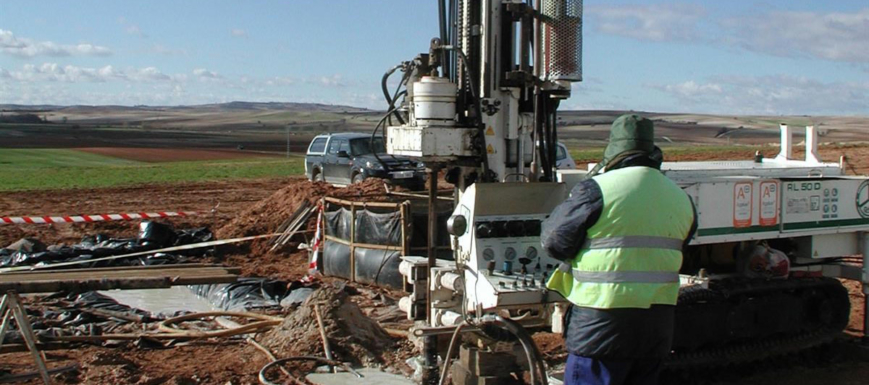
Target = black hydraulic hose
(442,18)
(543,137)
(553,145)
(454,41)
(389,100)
(535,361)
(374,133)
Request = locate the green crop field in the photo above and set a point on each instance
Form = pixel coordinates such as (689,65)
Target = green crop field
(43,169)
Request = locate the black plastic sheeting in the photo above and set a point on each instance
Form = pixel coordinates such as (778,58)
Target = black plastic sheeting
(376,266)
(247,293)
(152,236)
(66,314)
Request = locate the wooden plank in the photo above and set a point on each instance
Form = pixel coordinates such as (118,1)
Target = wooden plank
(137,277)
(120,268)
(27,332)
(133,283)
(343,202)
(69,275)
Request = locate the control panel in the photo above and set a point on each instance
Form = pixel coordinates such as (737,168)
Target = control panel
(509,249)
(501,243)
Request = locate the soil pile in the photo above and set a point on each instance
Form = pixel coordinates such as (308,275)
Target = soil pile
(268,214)
(353,337)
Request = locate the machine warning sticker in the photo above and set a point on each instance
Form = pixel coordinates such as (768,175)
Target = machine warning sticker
(768,203)
(798,205)
(742,204)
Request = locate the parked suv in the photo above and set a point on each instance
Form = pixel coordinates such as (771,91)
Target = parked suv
(348,158)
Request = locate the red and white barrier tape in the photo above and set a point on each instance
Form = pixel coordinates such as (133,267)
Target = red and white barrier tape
(315,250)
(94,218)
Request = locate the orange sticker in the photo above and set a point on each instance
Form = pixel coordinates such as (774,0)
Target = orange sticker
(769,203)
(742,204)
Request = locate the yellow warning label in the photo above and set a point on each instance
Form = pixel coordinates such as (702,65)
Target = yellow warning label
(490,131)
(490,149)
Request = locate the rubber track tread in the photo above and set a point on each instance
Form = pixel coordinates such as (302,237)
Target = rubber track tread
(733,291)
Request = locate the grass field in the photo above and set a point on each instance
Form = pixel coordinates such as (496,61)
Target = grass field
(44,169)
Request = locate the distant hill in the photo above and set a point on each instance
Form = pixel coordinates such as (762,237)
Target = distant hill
(236,105)
(221,116)
(587,126)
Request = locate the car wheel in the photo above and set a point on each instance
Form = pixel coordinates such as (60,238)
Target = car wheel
(358,178)
(318,176)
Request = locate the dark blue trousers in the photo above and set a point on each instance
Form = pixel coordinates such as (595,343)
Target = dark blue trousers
(589,371)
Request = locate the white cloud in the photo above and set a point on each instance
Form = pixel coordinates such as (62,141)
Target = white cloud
(206,75)
(771,95)
(658,22)
(281,81)
(131,28)
(829,36)
(691,89)
(238,32)
(330,81)
(52,72)
(834,36)
(24,47)
(163,50)
(149,74)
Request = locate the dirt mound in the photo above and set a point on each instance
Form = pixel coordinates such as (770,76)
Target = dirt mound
(353,337)
(268,214)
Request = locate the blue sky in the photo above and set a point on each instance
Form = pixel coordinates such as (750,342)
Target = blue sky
(730,57)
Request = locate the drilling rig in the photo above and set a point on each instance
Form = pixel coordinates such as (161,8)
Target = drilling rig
(481,107)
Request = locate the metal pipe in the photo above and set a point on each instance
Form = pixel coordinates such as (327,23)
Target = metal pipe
(538,39)
(430,343)
(865,238)
(326,349)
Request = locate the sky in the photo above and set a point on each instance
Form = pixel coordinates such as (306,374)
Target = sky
(783,57)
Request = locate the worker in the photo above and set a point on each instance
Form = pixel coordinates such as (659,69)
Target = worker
(620,236)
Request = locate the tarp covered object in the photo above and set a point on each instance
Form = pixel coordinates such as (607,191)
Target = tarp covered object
(373,266)
(152,236)
(246,293)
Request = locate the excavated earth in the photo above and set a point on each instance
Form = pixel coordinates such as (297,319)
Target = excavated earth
(360,321)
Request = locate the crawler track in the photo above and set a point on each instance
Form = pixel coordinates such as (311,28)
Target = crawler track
(741,320)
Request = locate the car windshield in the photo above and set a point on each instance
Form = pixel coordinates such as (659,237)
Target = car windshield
(560,153)
(362,146)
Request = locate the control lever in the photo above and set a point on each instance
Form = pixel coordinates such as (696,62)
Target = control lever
(524,262)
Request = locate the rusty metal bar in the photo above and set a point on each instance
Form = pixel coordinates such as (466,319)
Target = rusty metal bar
(343,202)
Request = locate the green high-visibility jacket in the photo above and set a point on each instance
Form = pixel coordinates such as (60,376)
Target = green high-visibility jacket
(632,254)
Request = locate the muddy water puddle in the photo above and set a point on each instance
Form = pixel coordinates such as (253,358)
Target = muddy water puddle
(166,301)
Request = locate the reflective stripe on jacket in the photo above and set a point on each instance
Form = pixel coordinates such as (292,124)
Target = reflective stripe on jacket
(632,254)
